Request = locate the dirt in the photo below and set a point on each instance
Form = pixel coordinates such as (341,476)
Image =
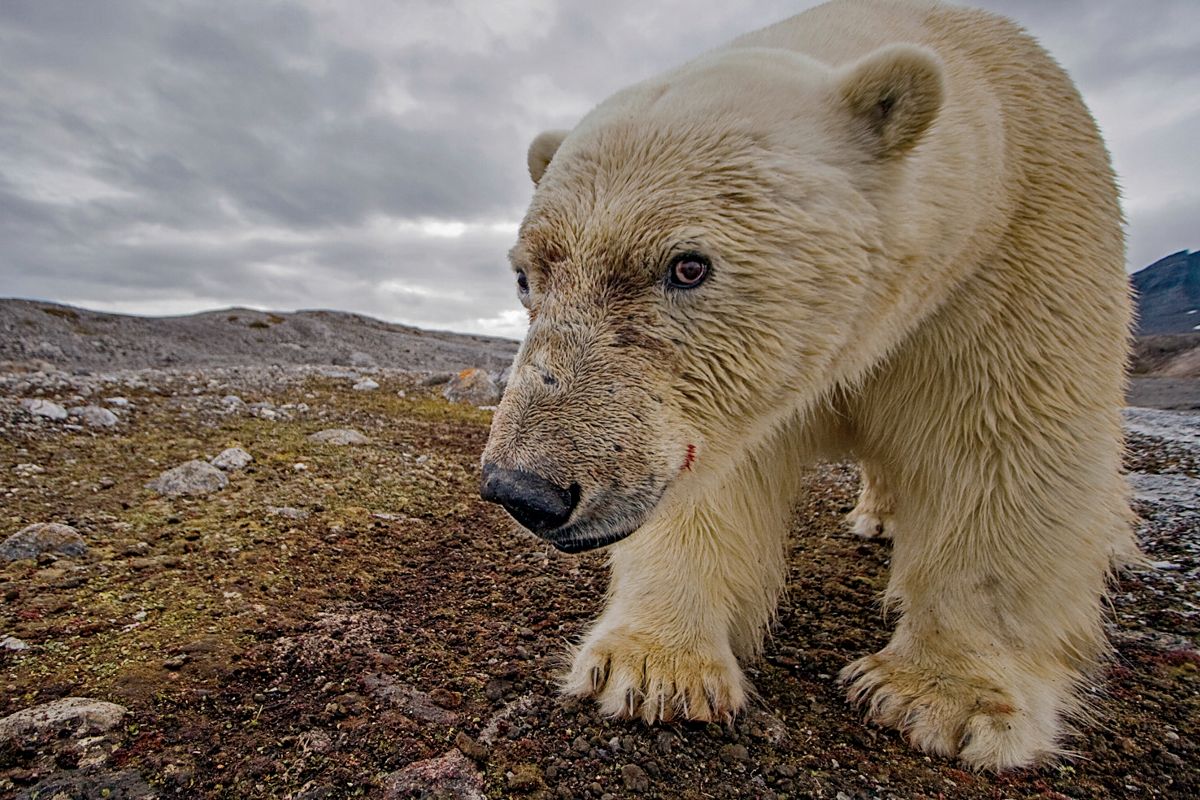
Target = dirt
(266,655)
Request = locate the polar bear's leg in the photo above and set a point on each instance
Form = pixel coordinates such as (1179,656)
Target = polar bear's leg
(691,592)
(1000,578)
(874,516)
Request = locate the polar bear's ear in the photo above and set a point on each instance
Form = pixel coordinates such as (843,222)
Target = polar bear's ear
(541,150)
(896,92)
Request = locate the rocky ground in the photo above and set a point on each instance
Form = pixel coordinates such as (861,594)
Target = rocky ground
(72,338)
(338,615)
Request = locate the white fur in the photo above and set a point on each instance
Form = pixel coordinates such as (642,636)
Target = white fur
(918,261)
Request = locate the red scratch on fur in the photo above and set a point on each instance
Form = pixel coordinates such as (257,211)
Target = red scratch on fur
(690,459)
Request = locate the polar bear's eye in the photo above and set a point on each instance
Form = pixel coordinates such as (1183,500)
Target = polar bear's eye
(522,282)
(688,271)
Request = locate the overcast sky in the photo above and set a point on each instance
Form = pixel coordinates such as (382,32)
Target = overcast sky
(166,157)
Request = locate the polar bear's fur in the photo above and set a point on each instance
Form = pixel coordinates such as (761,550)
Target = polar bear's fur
(916,259)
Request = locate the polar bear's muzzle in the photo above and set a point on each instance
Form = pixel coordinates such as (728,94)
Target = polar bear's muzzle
(553,512)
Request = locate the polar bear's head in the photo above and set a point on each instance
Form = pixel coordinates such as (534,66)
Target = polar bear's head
(695,259)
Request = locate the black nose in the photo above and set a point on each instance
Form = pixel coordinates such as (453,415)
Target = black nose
(533,501)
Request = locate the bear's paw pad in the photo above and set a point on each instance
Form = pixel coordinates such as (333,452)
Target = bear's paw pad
(632,676)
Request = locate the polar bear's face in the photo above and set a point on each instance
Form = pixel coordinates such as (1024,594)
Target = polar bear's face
(691,269)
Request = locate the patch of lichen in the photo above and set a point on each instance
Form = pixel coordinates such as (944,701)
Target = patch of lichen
(162,573)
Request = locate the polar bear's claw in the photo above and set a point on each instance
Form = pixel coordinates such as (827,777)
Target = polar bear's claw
(980,723)
(631,677)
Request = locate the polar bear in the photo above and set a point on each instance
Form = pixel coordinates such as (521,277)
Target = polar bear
(881,229)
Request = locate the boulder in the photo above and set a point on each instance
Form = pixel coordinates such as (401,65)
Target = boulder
(340,436)
(190,478)
(44,408)
(94,416)
(232,459)
(472,386)
(42,537)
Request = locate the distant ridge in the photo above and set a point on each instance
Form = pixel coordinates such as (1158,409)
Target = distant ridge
(36,332)
(1168,295)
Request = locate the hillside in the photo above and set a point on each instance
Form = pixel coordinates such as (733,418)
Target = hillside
(1168,293)
(73,338)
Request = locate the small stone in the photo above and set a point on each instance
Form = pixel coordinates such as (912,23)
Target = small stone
(28,470)
(735,753)
(365,385)
(422,459)
(233,404)
(496,688)
(635,778)
(79,716)
(445,698)
(117,402)
(472,386)
(13,644)
(288,512)
(94,416)
(300,467)
(338,436)
(525,778)
(42,537)
(664,742)
(232,459)
(437,379)
(190,478)
(44,408)
(470,747)
(314,741)
(175,662)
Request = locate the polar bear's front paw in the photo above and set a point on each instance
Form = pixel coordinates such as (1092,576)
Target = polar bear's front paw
(633,675)
(946,715)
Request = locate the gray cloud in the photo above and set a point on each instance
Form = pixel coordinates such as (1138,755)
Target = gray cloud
(370,156)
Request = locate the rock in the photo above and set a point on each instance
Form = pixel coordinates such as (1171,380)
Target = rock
(233,404)
(85,784)
(73,716)
(472,386)
(525,778)
(365,385)
(190,478)
(264,410)
(339,436)
(451,775)
(635,778)
(94,416)
(232,459)
(733,753)
(470,748)
(288,512)
(44,408)
(437,379)
(314,741)
(412,701)
(42,537)
(13,644)
(117,402)
(27,470)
